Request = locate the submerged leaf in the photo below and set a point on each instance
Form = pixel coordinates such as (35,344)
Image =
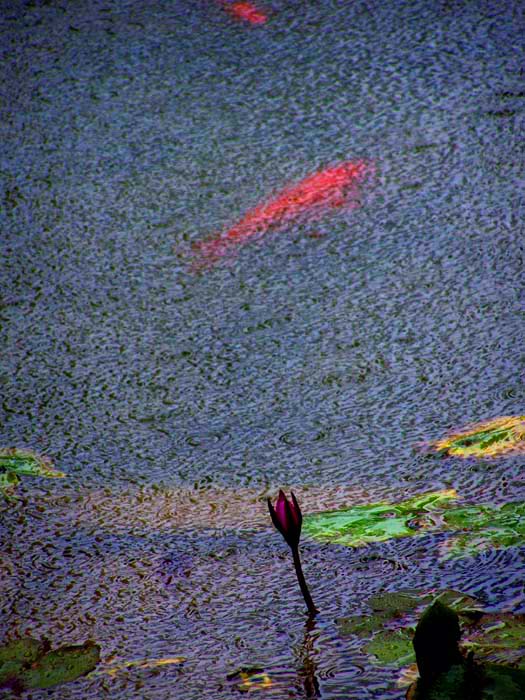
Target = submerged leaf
(489,438)
(376,522)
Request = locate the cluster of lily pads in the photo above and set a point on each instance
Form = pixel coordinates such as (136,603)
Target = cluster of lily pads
(390,634)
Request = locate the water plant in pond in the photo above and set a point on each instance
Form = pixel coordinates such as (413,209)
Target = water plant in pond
(377,522)
(490,438)
(472,528)
(30,664)
(287,518)
(480,527)
(15,462)
(494,639)
(446,674)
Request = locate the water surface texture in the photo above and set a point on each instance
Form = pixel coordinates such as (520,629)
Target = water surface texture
(318,357)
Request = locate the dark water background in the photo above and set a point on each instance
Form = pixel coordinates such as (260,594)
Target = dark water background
(317,359)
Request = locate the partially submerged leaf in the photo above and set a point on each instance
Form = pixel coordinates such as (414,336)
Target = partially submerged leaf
(392,647)
(61,666)
(483,527)
(19,654)
(499,638)
(376,522)
(27,463)
(489,438)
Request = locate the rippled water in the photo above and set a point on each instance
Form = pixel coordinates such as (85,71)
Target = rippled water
(317,358)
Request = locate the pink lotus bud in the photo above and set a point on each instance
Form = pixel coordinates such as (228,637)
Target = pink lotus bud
(287,518)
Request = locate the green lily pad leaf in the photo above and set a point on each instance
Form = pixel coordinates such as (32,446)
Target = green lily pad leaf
(500,639)
(27,463)
(483,527)
(392,647)
(376,522)
(19,654)
(490,438)
(394,604)
(359,625)
(61,666)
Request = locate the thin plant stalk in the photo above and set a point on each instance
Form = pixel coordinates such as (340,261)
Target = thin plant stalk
(312,610)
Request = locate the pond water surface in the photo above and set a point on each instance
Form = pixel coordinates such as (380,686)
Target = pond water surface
(317,357)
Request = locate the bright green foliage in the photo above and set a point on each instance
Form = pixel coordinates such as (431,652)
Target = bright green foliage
(472,528)
(27,663)
(483,527)
(376,522)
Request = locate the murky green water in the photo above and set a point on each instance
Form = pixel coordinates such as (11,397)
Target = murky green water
(318,358)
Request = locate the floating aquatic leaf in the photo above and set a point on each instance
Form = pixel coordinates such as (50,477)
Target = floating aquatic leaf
(489,438)
(61,666)
(28,663)
(376,522)
(27,463)
(392,647)
(19,654)
(499,638)
(483,527)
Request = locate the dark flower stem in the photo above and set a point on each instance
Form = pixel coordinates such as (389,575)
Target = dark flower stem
(312,610)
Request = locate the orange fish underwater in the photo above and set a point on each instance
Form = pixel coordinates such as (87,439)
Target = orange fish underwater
(310,198)
(246,11)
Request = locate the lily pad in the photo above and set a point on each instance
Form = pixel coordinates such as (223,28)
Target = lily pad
(376,522)
(489,438)
(27,463)
(483,527)
(27,663)
(392,647)
(500,639)
(19,654)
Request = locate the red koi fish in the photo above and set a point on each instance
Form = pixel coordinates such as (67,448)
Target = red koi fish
(310,198)
(246,11)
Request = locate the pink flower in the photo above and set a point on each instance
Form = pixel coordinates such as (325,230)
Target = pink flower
(287,518)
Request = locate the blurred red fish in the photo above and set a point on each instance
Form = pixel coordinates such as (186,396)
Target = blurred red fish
(310,198)
(246,11)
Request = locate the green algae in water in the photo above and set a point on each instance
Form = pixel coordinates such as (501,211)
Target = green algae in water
(375,522)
